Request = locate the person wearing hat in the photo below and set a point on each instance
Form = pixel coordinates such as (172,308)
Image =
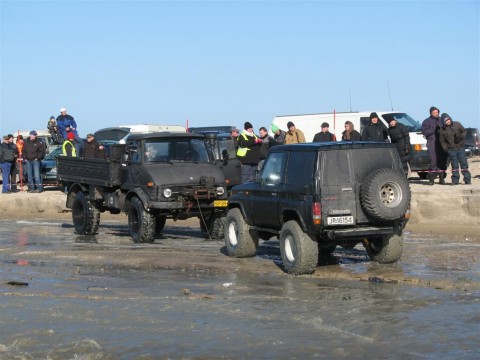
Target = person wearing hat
(248,153)
(53,130)
(452,139)
(400,137)
(278,134)
(66,123)
(92,149)
(350,134)
(8,154)
(68,147)
(324,135)
(437,156)
(13,170)
(375,131)
(294,135)
(33,153)
(234,136)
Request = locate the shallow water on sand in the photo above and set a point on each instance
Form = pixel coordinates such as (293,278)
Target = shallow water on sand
(103,297)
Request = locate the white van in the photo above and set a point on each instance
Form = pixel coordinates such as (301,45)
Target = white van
(310,124)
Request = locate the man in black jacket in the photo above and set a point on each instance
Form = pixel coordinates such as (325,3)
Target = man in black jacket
(400,137)
(375,131)
(438,158)
(33,154)
(92,149)
(325,135)
(452,140)
(7,159)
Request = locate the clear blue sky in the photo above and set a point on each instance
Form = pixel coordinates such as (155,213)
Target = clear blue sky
(227,62)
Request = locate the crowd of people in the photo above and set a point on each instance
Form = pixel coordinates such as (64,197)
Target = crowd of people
(23,157)
(445,139)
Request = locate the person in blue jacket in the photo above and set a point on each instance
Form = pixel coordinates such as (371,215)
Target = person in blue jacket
(66,123)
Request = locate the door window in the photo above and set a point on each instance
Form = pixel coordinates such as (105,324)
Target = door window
(272,169)
(300,168)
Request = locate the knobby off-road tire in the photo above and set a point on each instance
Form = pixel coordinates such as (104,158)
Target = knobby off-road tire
(85,216)
(299,251)
(215,226)
(160,223)
(385,195)
(240,240)
(385,249)
(140,222)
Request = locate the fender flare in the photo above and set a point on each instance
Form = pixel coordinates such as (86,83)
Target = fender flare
(137,192)
(72,193)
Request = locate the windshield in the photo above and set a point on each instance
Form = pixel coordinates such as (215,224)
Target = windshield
(404,119)
(172,150)
(111,134)
(54,154)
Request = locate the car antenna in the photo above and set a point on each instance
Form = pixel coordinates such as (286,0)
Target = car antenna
(390,96)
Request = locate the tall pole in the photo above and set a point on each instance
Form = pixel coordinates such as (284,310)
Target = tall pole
(391,104)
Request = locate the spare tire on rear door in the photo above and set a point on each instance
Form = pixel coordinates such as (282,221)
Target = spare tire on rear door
(385,194)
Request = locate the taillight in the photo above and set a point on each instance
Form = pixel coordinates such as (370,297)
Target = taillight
(417,147)
(407,213)
(317,213)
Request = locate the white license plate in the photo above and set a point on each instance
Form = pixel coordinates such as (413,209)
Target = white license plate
(340,220)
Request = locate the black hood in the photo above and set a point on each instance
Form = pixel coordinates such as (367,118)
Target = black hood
(444,117)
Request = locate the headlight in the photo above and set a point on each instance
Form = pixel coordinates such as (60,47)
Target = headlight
(220,190)
(167,193)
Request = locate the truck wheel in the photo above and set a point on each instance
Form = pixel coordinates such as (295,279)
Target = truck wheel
(140,222)
(385,249)
(385,195)
(299,251)
(240,240)
(213,226)
(160,223)
(85,216)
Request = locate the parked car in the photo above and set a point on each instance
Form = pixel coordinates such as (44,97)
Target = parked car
(49,167)
(472,140)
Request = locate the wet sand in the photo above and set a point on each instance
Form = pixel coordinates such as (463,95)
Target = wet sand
(182,297)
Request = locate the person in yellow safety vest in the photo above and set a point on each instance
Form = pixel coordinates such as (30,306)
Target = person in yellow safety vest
(248,152)
(68,149)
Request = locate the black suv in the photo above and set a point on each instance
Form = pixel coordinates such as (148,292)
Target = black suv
(472,140)
(320,195)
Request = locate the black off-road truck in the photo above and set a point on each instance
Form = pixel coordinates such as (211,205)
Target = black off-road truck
(320,195)
(153,177)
